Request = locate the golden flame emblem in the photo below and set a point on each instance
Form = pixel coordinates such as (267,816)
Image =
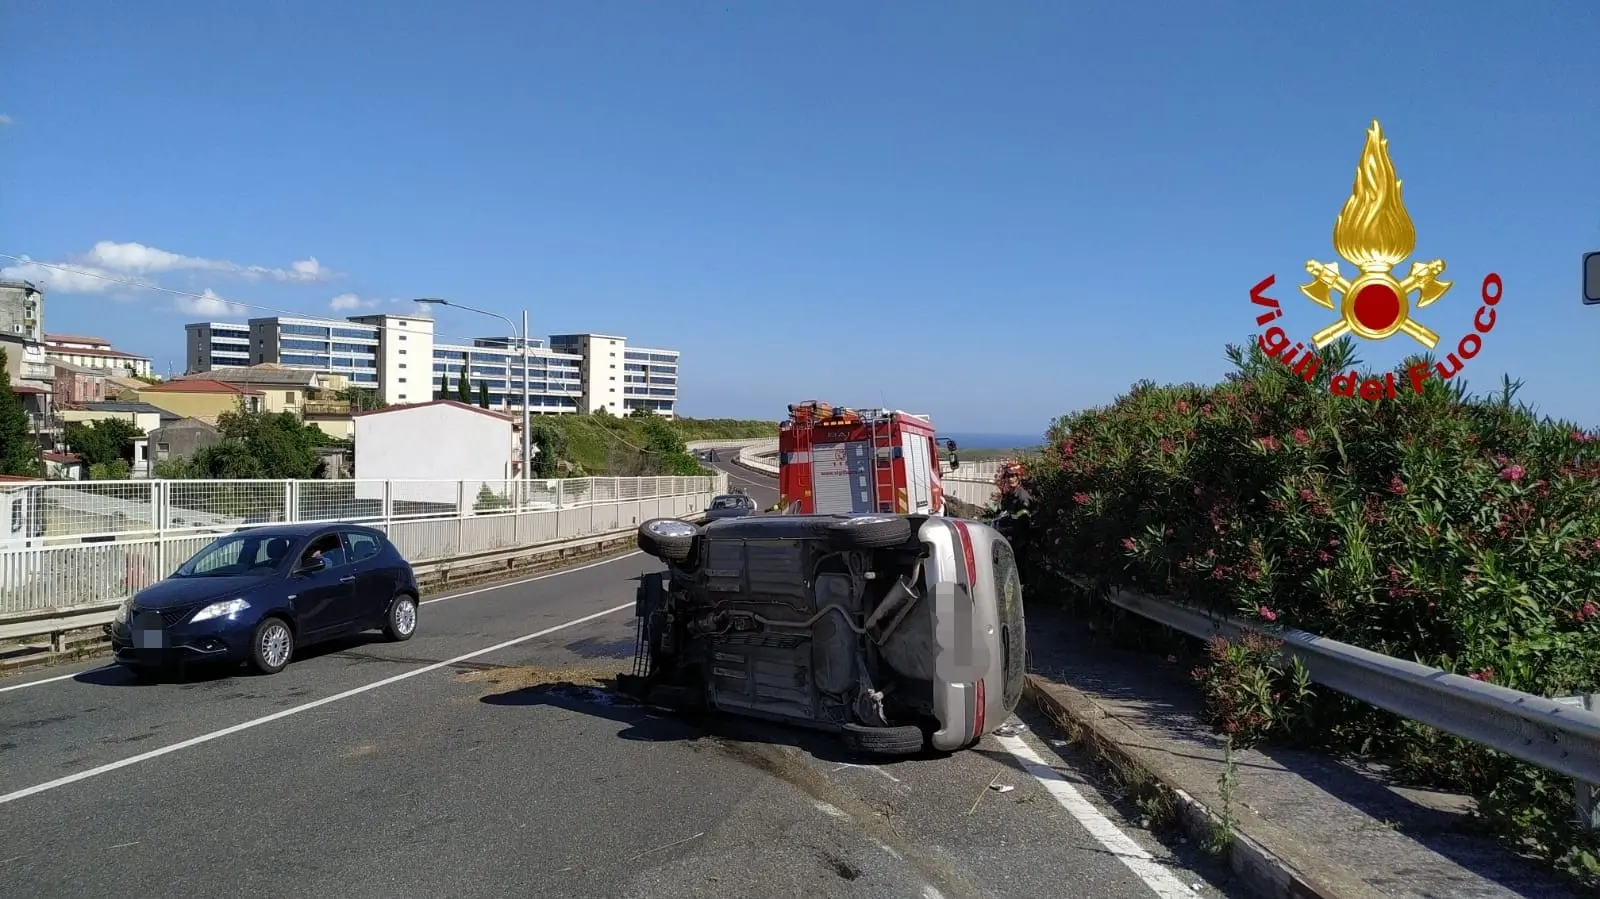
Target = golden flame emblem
(1374,233)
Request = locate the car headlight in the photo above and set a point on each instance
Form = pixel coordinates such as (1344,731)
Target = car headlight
(224,609)
(121,617)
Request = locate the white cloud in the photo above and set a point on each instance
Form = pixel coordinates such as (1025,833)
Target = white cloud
(79,279)
(347,301)
(138,258)
(209,305)
(5,119)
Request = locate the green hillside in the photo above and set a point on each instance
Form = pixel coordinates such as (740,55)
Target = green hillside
(631,447)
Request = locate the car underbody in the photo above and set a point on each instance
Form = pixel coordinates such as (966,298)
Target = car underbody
(818,620)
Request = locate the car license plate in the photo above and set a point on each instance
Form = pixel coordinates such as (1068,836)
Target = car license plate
(149,638)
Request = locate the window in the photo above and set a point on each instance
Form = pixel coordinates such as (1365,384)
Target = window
(402,337)
(328,548)
(402,380)
(402,352)
(401,396)
(362,546)
(402,365)
(288,397)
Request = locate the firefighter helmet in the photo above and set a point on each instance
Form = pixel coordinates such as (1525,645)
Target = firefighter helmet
(1009,476)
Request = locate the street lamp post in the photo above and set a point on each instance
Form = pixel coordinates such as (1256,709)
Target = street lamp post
(527,443)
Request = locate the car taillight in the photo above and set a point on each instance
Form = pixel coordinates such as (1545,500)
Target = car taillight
(964,537)
(978,714)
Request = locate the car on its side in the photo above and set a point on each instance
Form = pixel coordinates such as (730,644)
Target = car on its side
(901,633)
(257,595)
(731,505)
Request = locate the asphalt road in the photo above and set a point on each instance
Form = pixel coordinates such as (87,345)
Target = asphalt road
(485,758)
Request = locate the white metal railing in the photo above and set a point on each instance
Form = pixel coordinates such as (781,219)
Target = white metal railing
(43,579)
(132,509)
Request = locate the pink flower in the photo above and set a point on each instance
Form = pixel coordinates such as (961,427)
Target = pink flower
(1128,544)
(1588,611)
(1267,614)
(1301,437)
(1482,674)
(1397,486)
(1183,406)
(1268,443)
(1081,499)
(1513,473)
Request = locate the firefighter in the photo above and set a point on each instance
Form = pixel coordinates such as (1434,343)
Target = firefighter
(1015,520)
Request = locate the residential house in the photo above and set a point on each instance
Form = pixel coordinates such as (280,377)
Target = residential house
(143,416)
(94,352)
(124,389)
(434,445)
(64,467)
(313,395)
(201,398)
(181,439)
(76,384)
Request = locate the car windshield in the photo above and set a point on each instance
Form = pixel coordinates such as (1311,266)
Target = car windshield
(725,502)
(238,554)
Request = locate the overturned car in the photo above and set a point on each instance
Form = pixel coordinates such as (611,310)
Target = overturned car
(900,633)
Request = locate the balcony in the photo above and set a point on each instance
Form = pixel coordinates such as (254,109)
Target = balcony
(325,407)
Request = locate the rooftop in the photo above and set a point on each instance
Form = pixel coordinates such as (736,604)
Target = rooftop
(75,338)
(266,373)
(456,403)
(198,385)
(113,406)
(92,351)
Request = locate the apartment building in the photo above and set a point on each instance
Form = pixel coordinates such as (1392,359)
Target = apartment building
(620,378)
(402,358)
(94,352)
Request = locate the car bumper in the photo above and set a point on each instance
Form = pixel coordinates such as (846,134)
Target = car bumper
(219,640)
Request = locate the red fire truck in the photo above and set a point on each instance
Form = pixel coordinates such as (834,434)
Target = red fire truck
(837,460)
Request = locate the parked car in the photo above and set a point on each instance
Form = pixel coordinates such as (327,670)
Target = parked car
(900,633)
(731,505)
(259,594)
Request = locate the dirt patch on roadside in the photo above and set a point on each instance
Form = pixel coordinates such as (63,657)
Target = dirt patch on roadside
(601,676)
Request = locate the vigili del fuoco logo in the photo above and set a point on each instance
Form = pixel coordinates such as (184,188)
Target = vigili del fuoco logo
(1374,233)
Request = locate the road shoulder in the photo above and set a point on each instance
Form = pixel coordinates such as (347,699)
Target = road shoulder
(1294,823)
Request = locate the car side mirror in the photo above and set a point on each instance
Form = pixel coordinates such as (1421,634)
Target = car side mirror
(313,566)
(955,462)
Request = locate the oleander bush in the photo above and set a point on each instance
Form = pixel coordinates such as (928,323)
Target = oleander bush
(1462,532)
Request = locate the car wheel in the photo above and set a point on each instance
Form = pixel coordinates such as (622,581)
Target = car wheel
(668,539)
(402,620)
(271,646)
(869,532)
(905,740)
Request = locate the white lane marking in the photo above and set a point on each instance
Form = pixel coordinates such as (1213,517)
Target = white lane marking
(1160,880)
(529,580)
(318,703)
(462,595)
(873,768)
(51,680)
(830,810)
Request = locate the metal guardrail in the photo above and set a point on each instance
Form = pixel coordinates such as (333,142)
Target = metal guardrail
(1554,735)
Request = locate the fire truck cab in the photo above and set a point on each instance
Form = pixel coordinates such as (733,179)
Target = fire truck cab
(838,460)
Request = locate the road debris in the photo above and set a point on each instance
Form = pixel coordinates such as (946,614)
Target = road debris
(1001,788)
(1010,730)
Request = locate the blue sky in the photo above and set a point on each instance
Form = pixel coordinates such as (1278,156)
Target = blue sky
(996,213)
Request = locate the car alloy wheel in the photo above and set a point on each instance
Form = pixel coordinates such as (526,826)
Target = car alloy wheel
(276,644)
(405,616)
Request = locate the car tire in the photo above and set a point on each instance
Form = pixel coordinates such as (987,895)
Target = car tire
(869,532)
(905,740)
(401,622)
(668,539)
(271,645)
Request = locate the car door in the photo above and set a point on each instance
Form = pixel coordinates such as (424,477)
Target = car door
(374,584)
(323,599)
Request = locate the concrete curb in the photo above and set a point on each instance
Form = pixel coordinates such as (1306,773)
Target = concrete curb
(1264,872)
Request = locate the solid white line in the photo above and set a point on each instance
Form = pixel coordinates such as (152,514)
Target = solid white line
(528,580)
(1160,880)
(462,595)
(266,719)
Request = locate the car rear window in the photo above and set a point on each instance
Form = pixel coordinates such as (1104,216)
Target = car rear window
(1008,605)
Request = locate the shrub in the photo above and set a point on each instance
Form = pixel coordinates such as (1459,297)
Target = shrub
(1456,531)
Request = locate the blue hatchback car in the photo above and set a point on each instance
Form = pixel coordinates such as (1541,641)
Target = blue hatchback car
(256,595)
